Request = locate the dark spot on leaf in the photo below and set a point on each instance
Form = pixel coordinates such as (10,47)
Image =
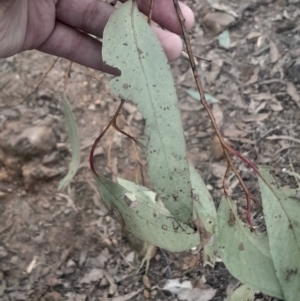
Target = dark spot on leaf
(231,220)
(290,226)
(154,214)
(290,273)
(196,197)
(125,86)
(241,247)
(139,51)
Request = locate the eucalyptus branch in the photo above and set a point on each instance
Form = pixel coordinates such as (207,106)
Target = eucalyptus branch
(226,148)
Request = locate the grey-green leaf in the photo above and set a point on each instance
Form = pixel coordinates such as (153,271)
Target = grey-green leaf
(224,39)
(131,45)
(74,141)
(139,211)
(246,254)
(243,293)
(281,212)
(195,94)
(205,208)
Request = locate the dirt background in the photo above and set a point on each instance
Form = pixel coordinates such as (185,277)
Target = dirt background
(65,246)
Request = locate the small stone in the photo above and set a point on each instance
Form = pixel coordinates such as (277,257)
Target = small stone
(92,107)
(30,142)
(106,243)
(157,257)
(3,252)
(146,294)
(146,281)
(45,204)
(70,263)
(2,195)
(14,260)
(4,177)
(153,293)
(114,242)
(103,282)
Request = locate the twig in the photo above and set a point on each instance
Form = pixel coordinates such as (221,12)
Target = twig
(196,56)
(67,75)
(275,137)
(41,80)
(113,123)
(113,120)
(226,148)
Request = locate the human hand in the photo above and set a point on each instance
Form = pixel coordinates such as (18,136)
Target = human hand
(59,27)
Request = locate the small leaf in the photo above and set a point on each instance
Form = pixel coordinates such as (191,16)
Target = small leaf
(281,210)
(74,140)
(243,293)
(224,39)
(246,254)
(195,94)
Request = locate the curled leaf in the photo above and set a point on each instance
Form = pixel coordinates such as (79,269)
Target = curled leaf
(74,140)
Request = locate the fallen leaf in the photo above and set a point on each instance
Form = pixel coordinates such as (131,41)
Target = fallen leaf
(274,53)
(93,275)
(253,36)
(216,22)
(224,39)
(254,77)
(218,114)
(255,117)
(195,94)
(224,8)
(292,92)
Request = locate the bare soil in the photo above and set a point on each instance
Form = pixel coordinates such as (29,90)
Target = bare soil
(65,246)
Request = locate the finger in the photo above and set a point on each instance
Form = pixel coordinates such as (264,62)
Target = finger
(80,48)
(92,15)
(165,14)
(76,46)
(171,42)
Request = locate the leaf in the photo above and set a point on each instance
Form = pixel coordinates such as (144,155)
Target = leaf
(74,140)
(195,94)
(243,293)
(224,39)
(205,208)
(281,212)
(130,45)
(139,211)
(245,254)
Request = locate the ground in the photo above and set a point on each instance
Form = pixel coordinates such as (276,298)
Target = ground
(65,246)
